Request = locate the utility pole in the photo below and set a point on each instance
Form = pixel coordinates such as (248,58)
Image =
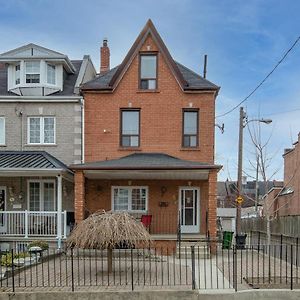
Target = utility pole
(240,172)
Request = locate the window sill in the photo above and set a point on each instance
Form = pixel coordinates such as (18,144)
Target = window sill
(130,149)
(40,145)
(3,145)
(148,91)
(190,149)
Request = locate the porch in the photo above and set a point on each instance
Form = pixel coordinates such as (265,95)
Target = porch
(36,196)
(177,195)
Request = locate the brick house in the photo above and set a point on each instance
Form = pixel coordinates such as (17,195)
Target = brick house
(40,135)
(149,142)
(285,201)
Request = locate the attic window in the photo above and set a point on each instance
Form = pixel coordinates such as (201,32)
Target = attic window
(17,69)
(32,72)
(50,74)
(148,71)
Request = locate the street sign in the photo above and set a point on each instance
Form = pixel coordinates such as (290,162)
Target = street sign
(239,199)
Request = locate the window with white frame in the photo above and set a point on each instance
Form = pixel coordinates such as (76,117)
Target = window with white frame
(130,198)
(41,195)
(2,131)
(32,72)
(18,74)
(41,130)
(51,74)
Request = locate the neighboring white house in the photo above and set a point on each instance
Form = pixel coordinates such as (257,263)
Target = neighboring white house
(41,126)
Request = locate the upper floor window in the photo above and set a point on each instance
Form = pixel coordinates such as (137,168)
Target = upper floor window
(18,74)
(2,131)
(130,128)
(51,74)
(190,128)
(32,72)
(41,130)
(148,71)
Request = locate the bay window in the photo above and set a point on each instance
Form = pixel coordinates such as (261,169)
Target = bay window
(41,130)
(132,199)
(32,71)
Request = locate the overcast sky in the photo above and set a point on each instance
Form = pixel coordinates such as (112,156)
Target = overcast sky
(243,40)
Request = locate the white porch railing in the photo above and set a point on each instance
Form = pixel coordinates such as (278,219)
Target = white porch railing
(32,224)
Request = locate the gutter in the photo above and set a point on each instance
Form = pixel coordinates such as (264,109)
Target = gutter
(38,99)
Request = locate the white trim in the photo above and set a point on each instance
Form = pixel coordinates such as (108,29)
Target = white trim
(42,130)
(4,127)
(130,188)
(38,99)
(41,182)
(190,228)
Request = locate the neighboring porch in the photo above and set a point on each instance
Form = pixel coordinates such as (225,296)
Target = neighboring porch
(36,197)
(178,195)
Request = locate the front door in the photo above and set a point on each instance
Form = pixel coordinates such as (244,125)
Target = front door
(2,209)
(189,208)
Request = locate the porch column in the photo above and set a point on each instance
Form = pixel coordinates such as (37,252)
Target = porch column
(59,211)
(212,204)
(79,196)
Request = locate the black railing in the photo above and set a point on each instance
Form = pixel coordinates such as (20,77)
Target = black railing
(197,267)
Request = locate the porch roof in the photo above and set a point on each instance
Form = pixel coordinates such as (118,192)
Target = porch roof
(32,163)
(146,166)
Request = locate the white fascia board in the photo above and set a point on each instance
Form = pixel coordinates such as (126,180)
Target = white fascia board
(39,99)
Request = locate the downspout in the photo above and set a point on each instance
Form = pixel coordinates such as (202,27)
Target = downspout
(82,130)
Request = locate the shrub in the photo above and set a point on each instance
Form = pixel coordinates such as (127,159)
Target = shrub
(43,245)
(7,260)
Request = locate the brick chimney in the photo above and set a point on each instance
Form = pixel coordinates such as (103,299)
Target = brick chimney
(104,57)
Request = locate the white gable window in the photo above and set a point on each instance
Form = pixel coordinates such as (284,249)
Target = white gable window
(41,130)
(129,198)
(2,131)
(17,74)
(51,74)
(32,72)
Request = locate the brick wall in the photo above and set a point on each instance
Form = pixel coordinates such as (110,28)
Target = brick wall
(161,116)
(165,219)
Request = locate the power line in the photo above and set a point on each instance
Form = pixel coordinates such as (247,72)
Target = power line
(282,112)
(262,82)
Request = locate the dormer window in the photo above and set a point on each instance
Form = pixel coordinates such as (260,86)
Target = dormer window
(51,74)
(32,72)
(17,74)
(148,71)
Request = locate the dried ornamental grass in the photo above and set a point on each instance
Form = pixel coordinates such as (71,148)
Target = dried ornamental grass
(106,230)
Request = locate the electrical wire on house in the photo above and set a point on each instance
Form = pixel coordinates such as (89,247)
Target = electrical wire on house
(263,81)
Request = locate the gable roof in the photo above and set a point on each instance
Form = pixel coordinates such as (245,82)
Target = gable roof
(33,160)
(187,79)
(145,161)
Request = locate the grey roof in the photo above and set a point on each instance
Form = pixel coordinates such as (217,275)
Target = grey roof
(35,160)
(195,81)
(68,88)
(148,161)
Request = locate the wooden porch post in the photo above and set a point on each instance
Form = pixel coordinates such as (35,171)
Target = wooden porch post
(212,207)
(59,211)
(79,196)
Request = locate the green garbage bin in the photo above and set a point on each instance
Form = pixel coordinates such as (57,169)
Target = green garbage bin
(227,239)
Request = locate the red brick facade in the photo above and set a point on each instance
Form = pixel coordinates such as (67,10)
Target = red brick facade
(161,114)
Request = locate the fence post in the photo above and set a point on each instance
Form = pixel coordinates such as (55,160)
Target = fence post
(235,268)
(13,270)
(193,267)
(131,254)
(72,269)
(258,242)
(292,262)
(281,246)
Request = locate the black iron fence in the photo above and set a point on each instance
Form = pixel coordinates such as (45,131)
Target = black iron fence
(191,267)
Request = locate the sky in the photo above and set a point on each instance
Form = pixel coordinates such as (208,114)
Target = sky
(243,40)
